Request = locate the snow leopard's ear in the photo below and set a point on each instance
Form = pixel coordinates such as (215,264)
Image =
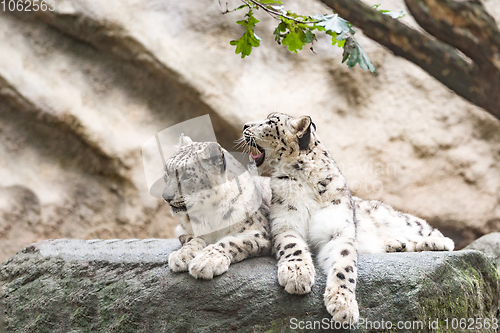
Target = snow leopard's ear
(213,155)
(184,140)
(302,127)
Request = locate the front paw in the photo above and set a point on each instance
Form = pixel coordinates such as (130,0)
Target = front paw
(209,263)
(434,243)
(395,245)
(340,302)
(179,260)
(296,276)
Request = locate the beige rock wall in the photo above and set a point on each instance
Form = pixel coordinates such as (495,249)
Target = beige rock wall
(82,88)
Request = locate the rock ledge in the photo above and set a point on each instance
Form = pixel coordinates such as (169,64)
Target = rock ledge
(126,286)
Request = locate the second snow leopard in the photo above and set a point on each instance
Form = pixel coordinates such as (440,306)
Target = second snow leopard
(312,206)
(223,211)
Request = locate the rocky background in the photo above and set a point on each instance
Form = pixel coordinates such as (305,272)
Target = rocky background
(83,87)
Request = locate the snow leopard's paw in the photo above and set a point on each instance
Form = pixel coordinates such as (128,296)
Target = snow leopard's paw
(296,276)
(209,263)
(179,260)
(340,302)
(434,243)
(396,245)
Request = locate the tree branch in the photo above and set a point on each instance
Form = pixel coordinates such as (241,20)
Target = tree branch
(464,25)
(439,59)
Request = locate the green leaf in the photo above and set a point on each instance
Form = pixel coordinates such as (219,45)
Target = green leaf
(310,37)
(245,44)
(295,40)
(333,23)
(394,15)
(354,54)
(249,39)
(337,39)
(278,32)
(240,7)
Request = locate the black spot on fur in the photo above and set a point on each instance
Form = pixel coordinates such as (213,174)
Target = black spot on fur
(283,177)
(228,214)
(341,276)
(289,246)
(321,192)
(325,181)
(336,201)
(349,269)
(344,253)
(290,207)
(352,280)
(407,219)
(222,245)
(282,253)
(297,253)
(277,200)
(278,247)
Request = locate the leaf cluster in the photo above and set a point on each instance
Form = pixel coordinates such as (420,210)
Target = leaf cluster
(295,31)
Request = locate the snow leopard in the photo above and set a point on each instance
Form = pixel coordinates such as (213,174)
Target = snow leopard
(313,211)
(223,211)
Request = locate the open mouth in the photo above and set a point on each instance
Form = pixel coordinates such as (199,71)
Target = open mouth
(178,207)
(257,153)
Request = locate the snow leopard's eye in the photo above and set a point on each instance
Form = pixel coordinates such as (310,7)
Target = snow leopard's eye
(223,166)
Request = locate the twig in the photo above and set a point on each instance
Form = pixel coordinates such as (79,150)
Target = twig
(274,13)
(227,8)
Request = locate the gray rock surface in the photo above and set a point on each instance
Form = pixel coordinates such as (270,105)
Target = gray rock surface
(126,286)
(488,244)
(83,87)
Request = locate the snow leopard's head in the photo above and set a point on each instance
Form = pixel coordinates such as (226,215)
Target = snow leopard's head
(277,137)
(192,173)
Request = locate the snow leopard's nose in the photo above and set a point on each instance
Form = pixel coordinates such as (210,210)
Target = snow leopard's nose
(168,195)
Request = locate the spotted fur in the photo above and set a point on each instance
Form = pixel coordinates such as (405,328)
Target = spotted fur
(312,209)
(209,192)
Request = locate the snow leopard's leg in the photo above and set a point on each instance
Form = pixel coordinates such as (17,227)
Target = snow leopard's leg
(295,265)
(215,258)
(179,260)
(334,231)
